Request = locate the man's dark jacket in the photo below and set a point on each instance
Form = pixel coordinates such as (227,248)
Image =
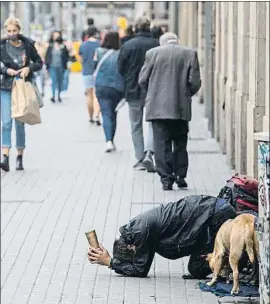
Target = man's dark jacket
(172,230)
(33,61)
(131,60)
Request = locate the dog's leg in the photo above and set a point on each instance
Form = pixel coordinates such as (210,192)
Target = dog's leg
(217,268)
(235,255)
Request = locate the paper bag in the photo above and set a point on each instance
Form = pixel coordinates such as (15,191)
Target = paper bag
(24,102)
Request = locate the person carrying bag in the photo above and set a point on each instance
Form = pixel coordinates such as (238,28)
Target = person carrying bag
(18,58)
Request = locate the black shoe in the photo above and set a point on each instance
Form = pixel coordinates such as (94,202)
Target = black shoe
(59,99)
(91,120)
(181,183)
(19,163)
(167,187)
(52,99)
(149,163)
(5,163)
(98,123)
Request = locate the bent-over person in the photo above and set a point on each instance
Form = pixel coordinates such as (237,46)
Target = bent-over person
(174,230)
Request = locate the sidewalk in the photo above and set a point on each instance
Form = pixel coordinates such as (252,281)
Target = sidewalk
(69,186)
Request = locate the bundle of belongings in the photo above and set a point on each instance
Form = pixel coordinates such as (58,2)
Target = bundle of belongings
(234,260)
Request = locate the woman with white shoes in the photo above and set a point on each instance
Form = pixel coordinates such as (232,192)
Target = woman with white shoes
(109,85)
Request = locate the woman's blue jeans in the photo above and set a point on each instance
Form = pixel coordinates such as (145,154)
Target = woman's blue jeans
(56,75)
(108,99)
(7,123)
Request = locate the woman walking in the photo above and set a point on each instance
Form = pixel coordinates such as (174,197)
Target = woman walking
(19,58)
(56,59)
(87,51)
(109,85)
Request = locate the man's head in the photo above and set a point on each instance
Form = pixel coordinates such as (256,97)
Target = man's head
(165,38)
(142,25)
(90,21)
(91,32)
(122,251)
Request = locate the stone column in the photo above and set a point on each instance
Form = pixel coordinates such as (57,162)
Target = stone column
(242,87)
(256,102)
(223,73)
(218,52)
(267,96)
(201,45)
(231,83)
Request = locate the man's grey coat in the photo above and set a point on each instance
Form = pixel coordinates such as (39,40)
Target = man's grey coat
(171,76)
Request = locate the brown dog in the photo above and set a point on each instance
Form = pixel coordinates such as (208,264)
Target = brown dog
(233,237)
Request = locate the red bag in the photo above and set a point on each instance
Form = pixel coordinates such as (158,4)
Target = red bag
(241,192)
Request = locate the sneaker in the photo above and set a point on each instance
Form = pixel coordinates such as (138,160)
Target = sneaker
(109,147)
(149,163)
(91,120)
(181,183)
(139,166)
(97,121)
(52,99)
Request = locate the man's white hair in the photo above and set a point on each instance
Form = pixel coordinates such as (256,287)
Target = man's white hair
(167,37)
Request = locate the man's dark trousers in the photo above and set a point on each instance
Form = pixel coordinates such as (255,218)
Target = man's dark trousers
(170,142)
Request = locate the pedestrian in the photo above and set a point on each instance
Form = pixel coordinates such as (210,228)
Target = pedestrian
(174,230)
(171,76)
(56,59)
(109,85)
(87,51)
(130,62)
(129,34)
(90,23)
(41,48)
(156,31)
(18,57)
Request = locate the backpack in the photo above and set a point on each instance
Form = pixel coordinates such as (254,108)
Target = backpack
(241,192)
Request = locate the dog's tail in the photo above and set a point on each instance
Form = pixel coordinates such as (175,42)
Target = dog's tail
(252,245)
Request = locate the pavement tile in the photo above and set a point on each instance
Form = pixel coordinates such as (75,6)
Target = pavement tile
(69,186)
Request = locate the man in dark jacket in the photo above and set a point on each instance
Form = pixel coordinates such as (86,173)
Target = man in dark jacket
(171,76)
(130,62)
(174,230)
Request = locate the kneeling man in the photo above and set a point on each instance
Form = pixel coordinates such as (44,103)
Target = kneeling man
(174,230)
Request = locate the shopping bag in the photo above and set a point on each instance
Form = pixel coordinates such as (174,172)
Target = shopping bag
(39,96)
(24,102)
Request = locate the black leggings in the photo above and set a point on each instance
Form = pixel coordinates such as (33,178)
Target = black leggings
(198,267)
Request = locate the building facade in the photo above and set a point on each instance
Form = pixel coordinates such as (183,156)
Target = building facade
(232,39)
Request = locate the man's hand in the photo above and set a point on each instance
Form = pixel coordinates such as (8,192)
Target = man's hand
(99,256)
(12,72)
(24,72)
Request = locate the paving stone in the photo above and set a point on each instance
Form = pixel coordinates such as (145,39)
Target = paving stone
(70,186)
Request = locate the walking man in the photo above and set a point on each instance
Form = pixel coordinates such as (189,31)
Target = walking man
(130,62)
(171,76)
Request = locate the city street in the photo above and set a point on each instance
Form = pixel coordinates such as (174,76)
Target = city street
(70,186)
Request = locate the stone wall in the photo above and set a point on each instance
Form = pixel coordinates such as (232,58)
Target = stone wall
(235,86)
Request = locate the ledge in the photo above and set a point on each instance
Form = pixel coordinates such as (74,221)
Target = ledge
(262,136)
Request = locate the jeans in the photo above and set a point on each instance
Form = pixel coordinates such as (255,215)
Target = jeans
(65,82)
(56,75)
(7,123)
(136,120)
(108,99)
(171,163)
